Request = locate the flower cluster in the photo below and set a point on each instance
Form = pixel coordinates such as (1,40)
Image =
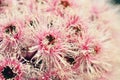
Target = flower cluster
(55,39)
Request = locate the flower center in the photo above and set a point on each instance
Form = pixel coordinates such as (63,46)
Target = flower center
(77,29)
(51,39)
(8,73)
(65,3)
(70,60)
(10,29)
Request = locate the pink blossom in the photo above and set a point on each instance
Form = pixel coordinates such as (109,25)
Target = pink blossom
(57,39)
(10,69)
(11,34)
(58,7)
(50,40)
(89,48)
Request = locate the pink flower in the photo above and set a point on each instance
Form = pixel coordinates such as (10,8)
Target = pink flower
(56,39)
(13,29)
(91,67)
(50,40)
(90,49)
(75,25)
(58,7)
(51,47)
(10,69)
(97,10)
(11,34)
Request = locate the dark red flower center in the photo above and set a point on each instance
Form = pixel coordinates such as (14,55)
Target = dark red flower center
(51,39)
(77,29)
(10,29)
(65,3)
(70,60)
(8,73)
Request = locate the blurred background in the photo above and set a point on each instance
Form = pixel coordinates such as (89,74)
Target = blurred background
(117,2)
